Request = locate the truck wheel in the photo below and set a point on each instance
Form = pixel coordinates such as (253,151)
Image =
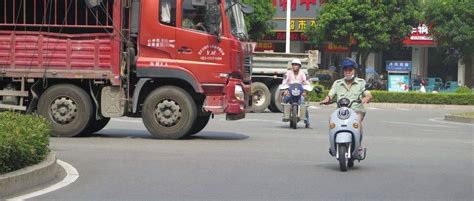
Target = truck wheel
(169,112)
(199,124)
(260,97)
(67,107)
(94,126)
(275,101)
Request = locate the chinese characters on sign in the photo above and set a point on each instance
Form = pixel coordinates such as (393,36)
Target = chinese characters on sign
(307,3)
(301,24)
(262,46)
(403,66)
(420,33)
(294,36)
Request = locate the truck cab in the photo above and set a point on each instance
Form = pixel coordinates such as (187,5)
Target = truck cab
(200,44)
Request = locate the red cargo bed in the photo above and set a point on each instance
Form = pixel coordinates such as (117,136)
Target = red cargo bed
(66,39)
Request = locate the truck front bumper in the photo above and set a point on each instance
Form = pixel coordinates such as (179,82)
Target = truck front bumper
(235,102)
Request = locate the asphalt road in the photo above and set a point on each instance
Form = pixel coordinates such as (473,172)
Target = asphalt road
(411,156)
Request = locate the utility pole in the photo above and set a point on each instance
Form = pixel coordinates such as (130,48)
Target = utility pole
(288,17)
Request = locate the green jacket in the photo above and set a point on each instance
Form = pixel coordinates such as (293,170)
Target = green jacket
(340,90)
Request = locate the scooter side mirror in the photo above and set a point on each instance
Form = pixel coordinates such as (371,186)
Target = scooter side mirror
(318,90)
(368,86)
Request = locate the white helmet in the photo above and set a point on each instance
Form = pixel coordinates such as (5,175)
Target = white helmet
(296,61)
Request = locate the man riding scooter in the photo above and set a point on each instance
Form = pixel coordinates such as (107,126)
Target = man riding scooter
(352,88)
(296,76)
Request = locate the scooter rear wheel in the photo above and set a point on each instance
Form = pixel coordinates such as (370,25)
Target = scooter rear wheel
(342,157)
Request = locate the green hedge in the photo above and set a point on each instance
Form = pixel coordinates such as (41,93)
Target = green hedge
(24,140)
(412,97)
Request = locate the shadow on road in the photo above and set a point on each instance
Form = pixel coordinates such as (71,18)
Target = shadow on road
(335,167)
(143,134)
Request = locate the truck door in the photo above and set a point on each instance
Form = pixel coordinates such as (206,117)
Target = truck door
(157,34)
(198,49)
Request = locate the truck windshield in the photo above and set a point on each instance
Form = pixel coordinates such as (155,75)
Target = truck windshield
(236,19)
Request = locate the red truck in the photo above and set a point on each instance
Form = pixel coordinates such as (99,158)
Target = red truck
(78,63)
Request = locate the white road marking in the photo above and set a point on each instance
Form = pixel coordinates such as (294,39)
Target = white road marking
(373,108)
(414,124)
(313,107)
(71,176)
(129,120)
(441,120)
(403,109)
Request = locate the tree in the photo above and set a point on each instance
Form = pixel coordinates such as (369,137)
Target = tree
(259,22)
(452,26)
(364,26)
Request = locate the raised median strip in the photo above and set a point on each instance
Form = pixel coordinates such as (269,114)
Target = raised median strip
(29,178)
(461,118)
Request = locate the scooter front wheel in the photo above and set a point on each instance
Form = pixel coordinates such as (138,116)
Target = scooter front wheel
(342,157)
(294,117)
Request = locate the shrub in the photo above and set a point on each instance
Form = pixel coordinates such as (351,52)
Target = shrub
(463,90)
(24,140)
(412,97)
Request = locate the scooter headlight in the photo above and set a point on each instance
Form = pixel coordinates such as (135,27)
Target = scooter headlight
(295,92)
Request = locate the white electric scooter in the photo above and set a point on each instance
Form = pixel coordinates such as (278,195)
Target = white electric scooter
(345,136)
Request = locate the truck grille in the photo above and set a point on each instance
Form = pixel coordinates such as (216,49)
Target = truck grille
(248,65)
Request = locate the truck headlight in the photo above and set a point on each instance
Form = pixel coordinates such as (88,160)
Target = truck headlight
(239,92)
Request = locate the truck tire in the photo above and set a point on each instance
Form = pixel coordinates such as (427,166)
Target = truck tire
(94,126)
(169,112)
(260,97)
(199,124)
(67,107)
(275,101)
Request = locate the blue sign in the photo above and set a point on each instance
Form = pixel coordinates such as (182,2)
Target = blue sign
(398,83)
(399,66)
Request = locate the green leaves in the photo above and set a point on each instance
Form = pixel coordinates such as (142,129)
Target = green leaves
(452,25)
(259,22)
(374,25)
(24,140)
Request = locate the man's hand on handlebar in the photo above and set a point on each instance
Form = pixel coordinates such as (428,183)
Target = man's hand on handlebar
(325,101)
(365,100)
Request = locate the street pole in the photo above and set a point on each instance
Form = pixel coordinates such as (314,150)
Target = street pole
(288,17)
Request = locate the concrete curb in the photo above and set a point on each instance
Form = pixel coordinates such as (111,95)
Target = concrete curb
(414,106)
(30,177)
(460,119)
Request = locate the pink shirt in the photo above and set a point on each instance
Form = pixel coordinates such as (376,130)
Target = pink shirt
(292,78)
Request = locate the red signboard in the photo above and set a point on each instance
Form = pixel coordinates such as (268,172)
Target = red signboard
(419,36)
(262,46)
(294,3)
(294,36)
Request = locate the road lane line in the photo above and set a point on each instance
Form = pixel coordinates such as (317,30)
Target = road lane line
(441,120)
(373,108)
(414,124)
(71,176)
(129,120)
